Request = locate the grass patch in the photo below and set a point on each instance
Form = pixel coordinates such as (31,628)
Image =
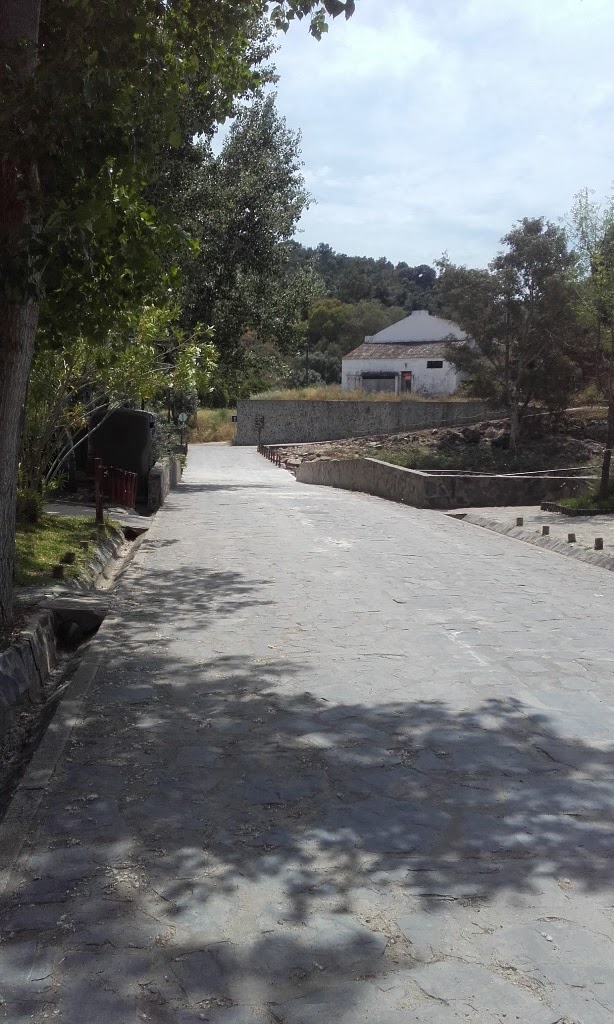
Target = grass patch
(212,425)
(480,459)
(334,393)
(42,545)
(591,500)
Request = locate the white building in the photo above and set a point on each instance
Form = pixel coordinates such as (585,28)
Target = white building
(407,356)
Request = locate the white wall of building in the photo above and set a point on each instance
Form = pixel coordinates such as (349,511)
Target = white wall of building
(425,381)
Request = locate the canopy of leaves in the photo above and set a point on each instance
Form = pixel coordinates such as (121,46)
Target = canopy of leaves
(243,207)
(117,86)
(337,327)
(361,278)
(591,228)
(519,314)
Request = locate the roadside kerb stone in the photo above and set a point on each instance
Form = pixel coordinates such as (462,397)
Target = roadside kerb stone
(107,549)
(562,547)
(28,663)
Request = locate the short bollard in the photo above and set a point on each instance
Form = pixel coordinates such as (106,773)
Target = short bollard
(571,538)
(598,543)
(545,531)
(519,521)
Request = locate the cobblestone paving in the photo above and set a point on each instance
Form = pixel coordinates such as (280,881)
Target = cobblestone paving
(344,761)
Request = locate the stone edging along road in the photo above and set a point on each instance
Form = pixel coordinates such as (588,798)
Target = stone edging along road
(598,558)
(26,666)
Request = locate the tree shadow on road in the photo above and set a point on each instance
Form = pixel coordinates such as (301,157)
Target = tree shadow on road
(217,832)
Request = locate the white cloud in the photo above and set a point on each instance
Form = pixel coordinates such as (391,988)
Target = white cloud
(430,127)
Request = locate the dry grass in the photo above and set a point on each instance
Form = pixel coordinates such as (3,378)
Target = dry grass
(334,393)
(212,425)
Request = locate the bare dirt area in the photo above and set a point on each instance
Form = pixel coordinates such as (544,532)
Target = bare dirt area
(570,442)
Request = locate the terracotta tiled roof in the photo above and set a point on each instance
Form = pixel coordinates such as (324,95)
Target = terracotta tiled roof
(413,350)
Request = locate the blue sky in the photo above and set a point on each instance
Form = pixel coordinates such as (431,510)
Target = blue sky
(432,126)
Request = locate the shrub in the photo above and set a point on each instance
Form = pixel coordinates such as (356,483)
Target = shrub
(29,507)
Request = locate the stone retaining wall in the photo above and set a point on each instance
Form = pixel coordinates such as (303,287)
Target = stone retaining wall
(165,475)
(425,490)
(272,421)
(26,666)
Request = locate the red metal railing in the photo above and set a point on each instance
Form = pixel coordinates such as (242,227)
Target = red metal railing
(122,487)
(118,485)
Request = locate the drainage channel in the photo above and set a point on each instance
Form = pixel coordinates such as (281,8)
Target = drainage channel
(75,624)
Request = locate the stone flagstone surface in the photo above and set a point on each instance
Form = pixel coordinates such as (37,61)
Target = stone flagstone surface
(343,761)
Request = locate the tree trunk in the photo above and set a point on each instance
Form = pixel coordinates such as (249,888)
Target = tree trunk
(607,455)
(514,425)
(19,22)
(16,347)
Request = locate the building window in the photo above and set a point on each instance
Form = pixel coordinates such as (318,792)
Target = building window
(379,382)
(434,364)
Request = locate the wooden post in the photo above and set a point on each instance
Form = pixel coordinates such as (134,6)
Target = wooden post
(98,485)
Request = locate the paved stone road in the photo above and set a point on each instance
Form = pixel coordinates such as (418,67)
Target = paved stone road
(343,761)
(586,528)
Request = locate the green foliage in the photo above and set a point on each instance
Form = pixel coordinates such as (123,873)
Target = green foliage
(335,393)
(592,500)
(212,425)
(90,113)
(109,97)
(352,279)
(285,12)
(520,316)
(241,208)
(474,458)
(325,364)
(253,370)
(41,545)
(592,230)
(304,377)
(29,507)
(337,327)
(145,359)
(245,205)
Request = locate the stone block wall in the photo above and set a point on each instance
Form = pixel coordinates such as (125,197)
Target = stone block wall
(162,477)
(272,421)
(438,491)
(25,667)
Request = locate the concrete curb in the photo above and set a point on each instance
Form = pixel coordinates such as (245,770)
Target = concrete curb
(16,825)
(17,822)
(597,558)
(105,551)
(27,664)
